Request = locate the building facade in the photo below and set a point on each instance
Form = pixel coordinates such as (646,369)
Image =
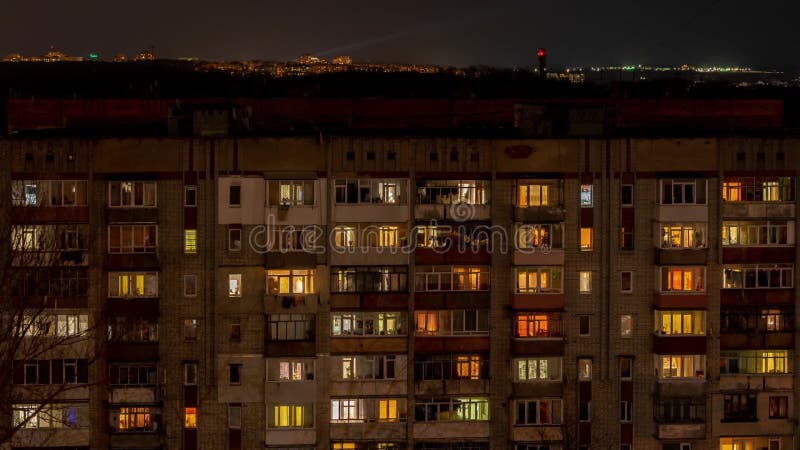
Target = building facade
(373,292)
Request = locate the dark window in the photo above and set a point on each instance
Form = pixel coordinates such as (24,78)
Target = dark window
(626,281)
(370,156)
(453,155)
(626,238)
(434,156)
(190,196)
(235,195)
(625,368)
(350,156)
(778,407)
(584,414)
(627,195)
(474,157)
(234,373)
(391,156)
(583,325)
(739,407)
(236,330)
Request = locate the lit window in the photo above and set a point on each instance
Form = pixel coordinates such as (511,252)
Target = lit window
(190,327)
(190,241)
(678,323)
(626,325)
(539,279)
(586,239)
(132,194)
(189,417)
(468,367)
(685,278)
(587,200)
(135,419)
(680,366)
(537,325)
(234,285)
(295,281)
(584,369)
(387,410)
(585,280)
(538,369)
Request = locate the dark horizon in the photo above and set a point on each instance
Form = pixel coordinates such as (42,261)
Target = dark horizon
(445,33)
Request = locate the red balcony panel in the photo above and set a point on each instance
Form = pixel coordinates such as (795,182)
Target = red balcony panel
(132,351)
(537,302)
(290,348)
(587,217)
(695,256)
(675,301)
(732,255)
(50,214)
(626,390)
(454,255)
(466,344)
(626,431)
(452,300)
(385,301)
(369,345)
(627,217)
(585,433)
(585,391)
(537,346)
(189,439)
(234,439)
(756,340)
(345,301)
(679,345)
(429,345)
(145,307)
(756,297)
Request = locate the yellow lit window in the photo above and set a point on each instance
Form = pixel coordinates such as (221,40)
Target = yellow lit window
(387,236)
(124,286)
(427,322)
(288,416)
(344,446)
(139,284)
(190,417)
(586,239)
(387,410)
(732,191)
(190,241)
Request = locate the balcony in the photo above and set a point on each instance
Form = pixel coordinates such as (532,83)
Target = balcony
(756,382)
(281,260)
(388,213)
(147,307)
(681,213)
(397,387)
(537,257)
(538,389)
(369,256)
(51,438)
(452,255)
(464,430)
(756,297)
(756,339)
(689,256)
(681,388)
(50,214)
(291,303)
(369,344)
(451,387)
(674,301)
(749,210)
(451,344)
(133,394)
(679,431)
(143,440)
(384,431)
(131,215)
(538,302)
(765,254)
(290,436)
(371,300)
(132,261)
(540,214)
(274,349)
(452,300)
(293,215)
(537,433)
(673,345)
(459,212)
(551,346)
(132,351)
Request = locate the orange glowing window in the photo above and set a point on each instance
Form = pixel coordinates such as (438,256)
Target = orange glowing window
(732,191)
(468,366)
(532,325)
(190,417)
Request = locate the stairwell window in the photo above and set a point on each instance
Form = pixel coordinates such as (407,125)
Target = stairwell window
(190,241)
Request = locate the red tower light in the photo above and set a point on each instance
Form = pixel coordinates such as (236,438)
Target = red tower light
(541,53)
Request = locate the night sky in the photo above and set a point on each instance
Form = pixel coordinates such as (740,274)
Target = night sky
(447,32)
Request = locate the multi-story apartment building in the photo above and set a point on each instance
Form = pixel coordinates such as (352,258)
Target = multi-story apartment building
(424,292)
